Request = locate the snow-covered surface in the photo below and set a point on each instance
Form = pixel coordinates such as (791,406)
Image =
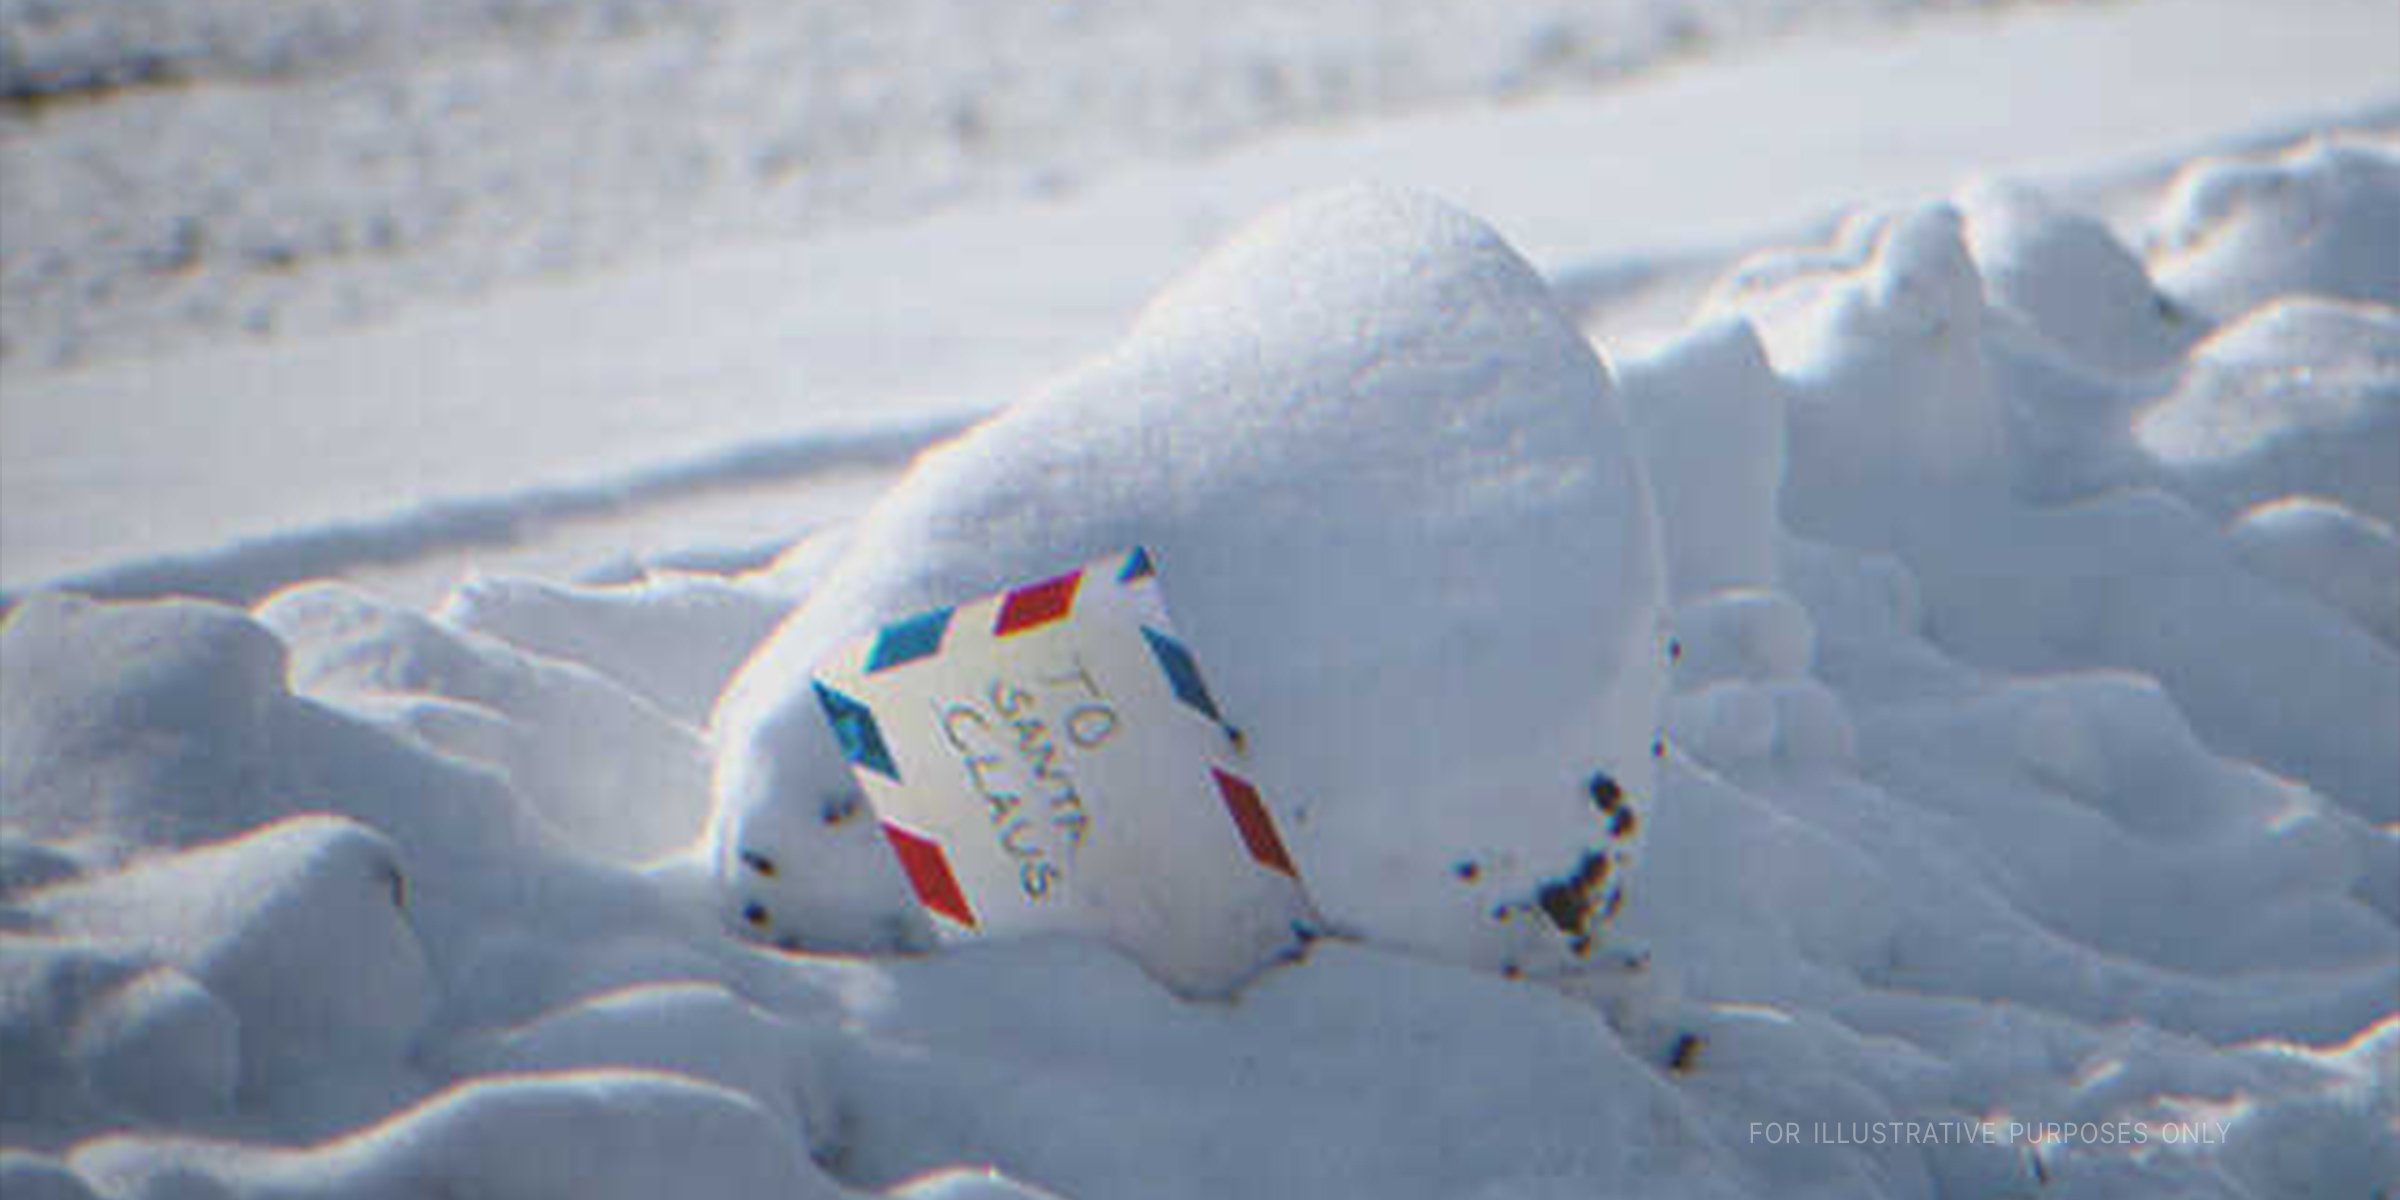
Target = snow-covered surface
(700,403)
(2028,821)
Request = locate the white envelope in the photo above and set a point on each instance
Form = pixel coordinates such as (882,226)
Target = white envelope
(1050,759)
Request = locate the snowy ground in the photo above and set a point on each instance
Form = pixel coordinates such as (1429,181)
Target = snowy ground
(2001,425)
(181,170)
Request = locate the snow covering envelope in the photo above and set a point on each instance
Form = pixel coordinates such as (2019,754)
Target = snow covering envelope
(1050,759)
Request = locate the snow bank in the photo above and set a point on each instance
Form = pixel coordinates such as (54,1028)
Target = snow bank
(1394,509)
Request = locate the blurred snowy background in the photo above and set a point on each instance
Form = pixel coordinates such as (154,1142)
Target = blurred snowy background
(179,170)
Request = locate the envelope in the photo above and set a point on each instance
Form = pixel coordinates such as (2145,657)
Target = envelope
(1050,759)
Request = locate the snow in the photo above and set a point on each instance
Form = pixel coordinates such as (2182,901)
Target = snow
(1370,459)
(584,1133)
(529,718)
(286,943)
(2245,426)
(2341,557)
(2319,218)
(672,639)
(1709,417)
(2010,565)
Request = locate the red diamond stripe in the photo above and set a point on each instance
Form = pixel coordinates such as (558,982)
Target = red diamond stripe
(929,873)
(1250,816)
(1037,604)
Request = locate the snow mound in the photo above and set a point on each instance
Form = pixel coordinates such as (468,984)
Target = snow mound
(96,1035)
(602,1134)
(78,675)
(2346,559)
(2299,395)
(1394,509)
(606,770)
(289,943)
(1910,409)
(1882,349)
(128,728)
(2319,219)
(1709,413)
(2068,278)
(2029,779)
(672,640)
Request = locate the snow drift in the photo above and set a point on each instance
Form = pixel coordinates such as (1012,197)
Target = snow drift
(1394,510)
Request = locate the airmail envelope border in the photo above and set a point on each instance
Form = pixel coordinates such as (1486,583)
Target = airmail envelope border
(1051,757)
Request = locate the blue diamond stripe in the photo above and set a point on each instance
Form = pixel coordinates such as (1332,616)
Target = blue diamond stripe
(1137,566)
(1183,672)
(909,640)
(854,727)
